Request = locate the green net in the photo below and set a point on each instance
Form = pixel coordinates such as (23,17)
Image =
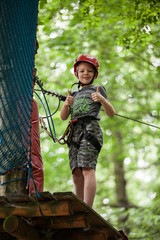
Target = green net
(18,21)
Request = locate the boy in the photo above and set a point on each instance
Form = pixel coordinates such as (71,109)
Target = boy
(87,137)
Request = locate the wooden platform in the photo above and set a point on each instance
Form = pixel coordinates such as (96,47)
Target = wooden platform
(58,216)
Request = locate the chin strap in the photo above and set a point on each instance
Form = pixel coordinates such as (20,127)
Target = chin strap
(84,84)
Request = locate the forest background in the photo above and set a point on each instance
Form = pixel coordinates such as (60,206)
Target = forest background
(124,36)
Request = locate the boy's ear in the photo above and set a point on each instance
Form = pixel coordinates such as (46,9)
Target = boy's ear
(76,74)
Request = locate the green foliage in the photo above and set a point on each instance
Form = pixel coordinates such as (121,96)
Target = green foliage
(124,36)
(42,3)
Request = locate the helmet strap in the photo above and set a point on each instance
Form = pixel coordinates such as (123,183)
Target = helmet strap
(84,84)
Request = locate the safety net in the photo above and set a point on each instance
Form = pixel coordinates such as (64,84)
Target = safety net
(18,22)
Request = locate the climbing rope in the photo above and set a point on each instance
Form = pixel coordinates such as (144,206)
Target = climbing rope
(68,132)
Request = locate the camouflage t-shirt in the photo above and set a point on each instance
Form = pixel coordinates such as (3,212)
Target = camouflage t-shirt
(83,104)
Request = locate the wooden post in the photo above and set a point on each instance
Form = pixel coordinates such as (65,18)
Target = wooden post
(16,183)
(20,229)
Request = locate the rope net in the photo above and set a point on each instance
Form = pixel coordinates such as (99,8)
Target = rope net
(18,20)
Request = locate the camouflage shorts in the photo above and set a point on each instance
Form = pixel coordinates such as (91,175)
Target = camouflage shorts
(83,154)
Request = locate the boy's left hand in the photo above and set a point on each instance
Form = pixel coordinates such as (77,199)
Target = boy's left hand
(96,96)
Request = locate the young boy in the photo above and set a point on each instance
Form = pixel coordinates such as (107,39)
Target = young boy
(87,137)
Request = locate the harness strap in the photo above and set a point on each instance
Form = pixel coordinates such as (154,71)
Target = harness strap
(66,137)
(87,135)
(93,140)
(68,132)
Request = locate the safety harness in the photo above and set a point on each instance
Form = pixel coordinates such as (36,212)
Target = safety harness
(67,136)
(85,134)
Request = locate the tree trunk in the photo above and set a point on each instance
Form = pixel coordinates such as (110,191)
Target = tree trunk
(120,182)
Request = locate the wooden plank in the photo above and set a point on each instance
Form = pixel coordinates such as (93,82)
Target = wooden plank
(68,222)
(63,222)
(51,208)
(65,195)
(89,234)
(93,219)
(15,198)
(43,196)
(65,210)
(76,206)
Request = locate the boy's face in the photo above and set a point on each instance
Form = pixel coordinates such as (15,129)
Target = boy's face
(85,72)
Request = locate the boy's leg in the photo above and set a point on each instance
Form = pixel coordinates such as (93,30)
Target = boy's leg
(89,185)
(78,181)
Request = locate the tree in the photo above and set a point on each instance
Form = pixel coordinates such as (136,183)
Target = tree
(124,36)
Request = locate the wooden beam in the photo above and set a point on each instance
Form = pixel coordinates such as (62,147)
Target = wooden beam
(65,211)
(93,219)
(86,234)
(32,209)
(61,222)
(43,196)
(20,229)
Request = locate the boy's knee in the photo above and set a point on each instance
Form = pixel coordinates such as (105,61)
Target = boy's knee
(77,175)
(88,171)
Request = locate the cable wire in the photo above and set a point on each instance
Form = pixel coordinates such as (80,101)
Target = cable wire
(148,124)
(63,98)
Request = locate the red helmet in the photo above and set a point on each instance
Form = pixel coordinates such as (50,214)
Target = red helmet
(89,59)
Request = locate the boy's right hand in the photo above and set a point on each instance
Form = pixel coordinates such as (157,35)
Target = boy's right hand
(69,99)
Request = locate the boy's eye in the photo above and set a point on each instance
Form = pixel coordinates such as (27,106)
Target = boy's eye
(81,71)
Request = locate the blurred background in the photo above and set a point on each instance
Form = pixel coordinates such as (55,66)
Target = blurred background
(124,37)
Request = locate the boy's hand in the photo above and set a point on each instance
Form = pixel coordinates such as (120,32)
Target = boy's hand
(69,99)
(96,96)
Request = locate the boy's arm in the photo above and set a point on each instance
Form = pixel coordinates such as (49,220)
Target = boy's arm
(108,108)
(65,111)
